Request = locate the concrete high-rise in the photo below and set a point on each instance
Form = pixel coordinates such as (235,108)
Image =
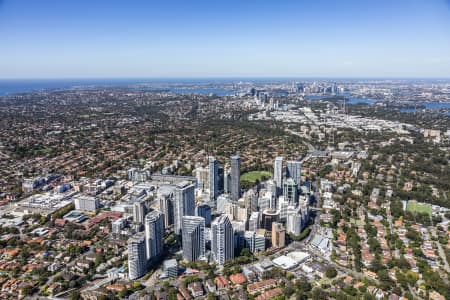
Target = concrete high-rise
(184,203)
(221,174)
(86,203)
(139,212)
(249,240)
(268,217)
(213,178)
(222,239)
(254,242)
(266,200)
(227,182)
(278,174)
(202,175)
(236,212)
(154,234)
(278,235)
(137,258)
(271,187)
(193,238)
(166,204)
(293,170)
(290,191)
(222,202)
(253,221)
(235,186)
(283,207)
(170,268)
(295,222)
(138,175)
(251,200)
(204,211)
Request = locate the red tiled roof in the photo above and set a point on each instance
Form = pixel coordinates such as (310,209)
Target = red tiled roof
(238,278)
(270,294)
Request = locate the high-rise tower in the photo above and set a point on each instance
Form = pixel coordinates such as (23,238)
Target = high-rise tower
(278,173)
(154,234)
(293,170)
(222,243)
(137,259)
(139,212)
(235,186)
(213,178)
(184,203)
(193,238)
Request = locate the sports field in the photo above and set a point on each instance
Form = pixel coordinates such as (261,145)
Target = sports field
(417,207)
(253,176)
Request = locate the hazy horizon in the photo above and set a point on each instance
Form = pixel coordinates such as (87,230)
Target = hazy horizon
(174,78)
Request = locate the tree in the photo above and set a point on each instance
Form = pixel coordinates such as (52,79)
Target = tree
(303,286)
(99,259)
(288,291)
(246,252)
(331,272)
(137,285)
(28,290)
(122,294)
(319,294)
(172,294)
(368,296)
(325,170)
(74,295)
(190,279)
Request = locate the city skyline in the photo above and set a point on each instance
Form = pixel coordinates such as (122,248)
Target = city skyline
(124,198)
(405,39)
(219,150)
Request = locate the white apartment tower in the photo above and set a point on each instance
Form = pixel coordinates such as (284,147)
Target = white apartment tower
(154,234)
(137,258)
(222,244)
(184,203)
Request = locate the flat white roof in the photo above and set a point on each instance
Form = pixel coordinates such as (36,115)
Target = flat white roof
(285,262)
(299,256)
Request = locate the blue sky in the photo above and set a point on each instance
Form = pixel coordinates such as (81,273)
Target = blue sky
(244,38)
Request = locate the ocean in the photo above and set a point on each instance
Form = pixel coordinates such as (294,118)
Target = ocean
(13,86)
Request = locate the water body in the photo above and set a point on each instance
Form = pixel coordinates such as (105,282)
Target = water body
(412,110)
(430,106)
(14,86)
(408,110)
(198,91)
(437,105)
(357,100)
(349,99)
